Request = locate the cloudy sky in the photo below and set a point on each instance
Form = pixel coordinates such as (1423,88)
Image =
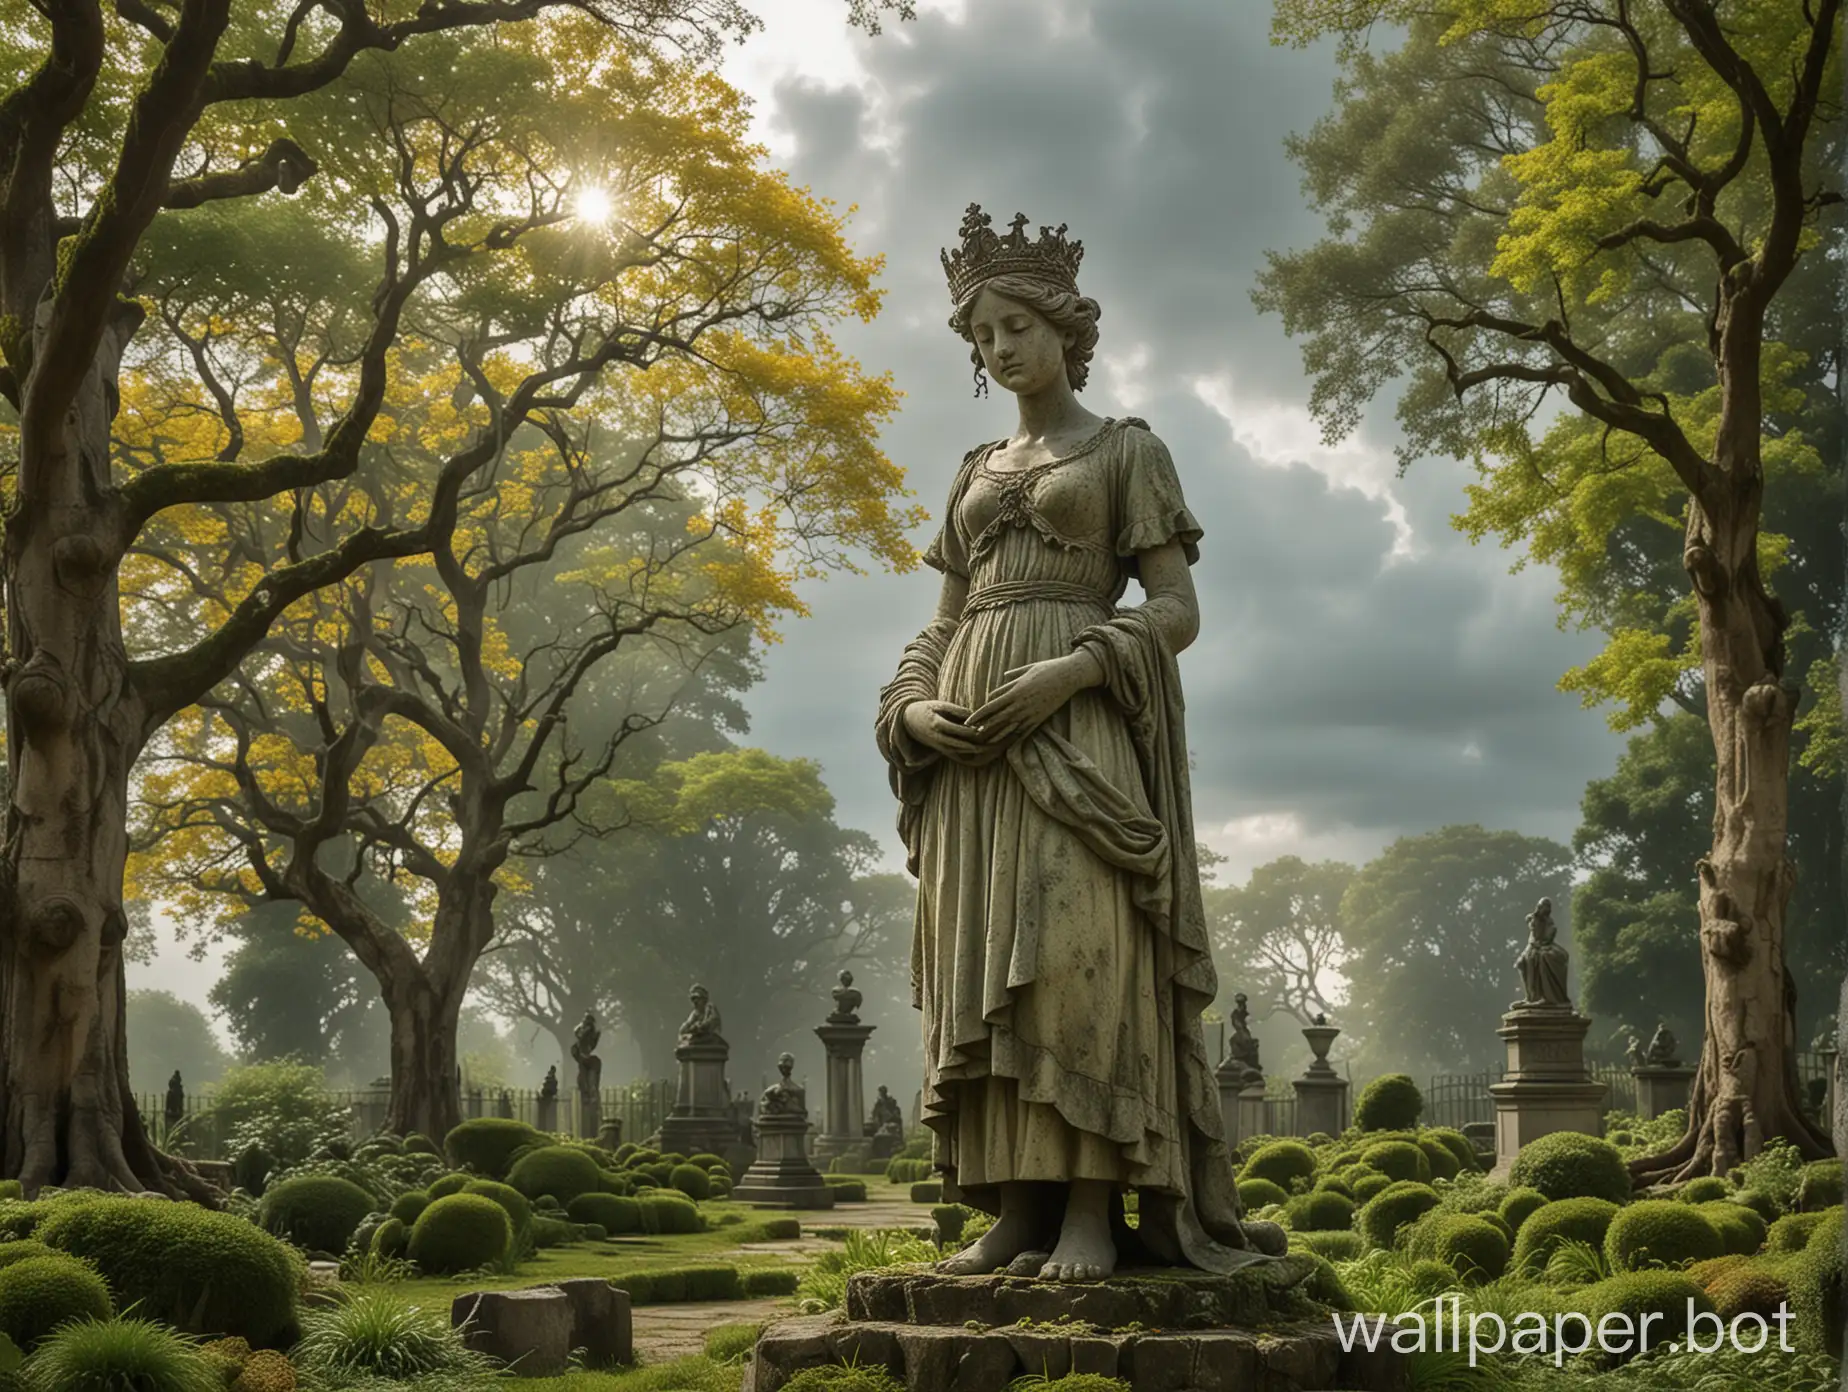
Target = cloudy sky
(1362,672)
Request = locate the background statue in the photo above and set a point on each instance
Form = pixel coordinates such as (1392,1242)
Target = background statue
(702,1023)
(549,1088)
(1054,1080)
(1542,962)
(887,1117)
(784,1097)
(174,1112)
(846,1002)
(583,1053)
(1662,1048)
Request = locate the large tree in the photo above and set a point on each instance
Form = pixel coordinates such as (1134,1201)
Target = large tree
(117,122)
(1282,928)
(1573,227)
(1432,926)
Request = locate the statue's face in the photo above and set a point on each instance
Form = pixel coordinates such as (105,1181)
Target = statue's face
(1021,350)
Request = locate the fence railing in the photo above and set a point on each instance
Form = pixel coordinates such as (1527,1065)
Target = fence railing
(198,1133)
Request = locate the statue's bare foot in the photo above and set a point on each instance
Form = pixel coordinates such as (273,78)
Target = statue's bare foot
(1086,1251)
(1011,1235)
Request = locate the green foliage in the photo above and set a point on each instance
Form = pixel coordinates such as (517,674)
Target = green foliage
(1474,1248)
(1703,1190)
(202,1272)
(1791,1233)
(1567,1165)
(1283,929)
(374,1332)
(1520,1205)
(1456,1143)
(1660,1232)
(616,1215)
(690,1180)
(283,1109)
(669,1212)
(769,1281)
(824,1285)
(37,1294)
(1669,1295)
(844,1378)
(1254,1194)
(1334,1246)
(1319,1211)
(11,1252)
(445,1185)
(1820,1187)
(732,1343)
(122,1355)
(562,1171)
(1561,1220)
(1281,1162)
(519,1211)
(673,1285)
(1382,1216)
(407,1206)
(393,1237)
(1391,1102)
(460,1232)
(1370,1185)
(1399,1160)
(317,1213)
(1741,1231)
(1757,1287)
(486,1144)
(1818,1295)
(849,1190)
(904,1170)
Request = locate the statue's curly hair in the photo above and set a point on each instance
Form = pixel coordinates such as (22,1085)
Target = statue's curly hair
(1060,308)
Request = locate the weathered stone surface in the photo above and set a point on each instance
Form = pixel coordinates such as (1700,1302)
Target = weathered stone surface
(1163,1299)
(529,1330)
(601,1323)
(1299,1357)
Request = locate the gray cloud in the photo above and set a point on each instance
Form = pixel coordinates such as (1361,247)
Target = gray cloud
(1341,694)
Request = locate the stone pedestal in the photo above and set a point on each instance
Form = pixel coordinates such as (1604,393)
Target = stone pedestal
(1661,1089)
(843,1124)
(701,1119)
(1321,1093)
(1546,1087)
(1158,1331)
(590,1115)
(782,1176)
(1251,1110)
(545,1113)
(609,1133)
(1229,1077)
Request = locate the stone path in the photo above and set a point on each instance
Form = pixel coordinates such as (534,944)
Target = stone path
(666,1332)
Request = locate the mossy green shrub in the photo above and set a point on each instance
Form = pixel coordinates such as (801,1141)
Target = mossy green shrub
(843,1377)
(589,1232)
(1567,1165)
(615,1182)
(550,1232)
(519,1210)
(1335,1246)
(1443,1164)
(1254,1194)
(1668,1295)
(927,1191)
(1399,1160)
(318,1213)
(444,1185)
(847,1189)
(1456,1143)
(950,1220)
(692,1181)
(1703,1190)
(1281,1162)
(769,1281)
(1474,1248)
(668,1212)
(1562,1220)
(615,1213)
(1817,1295)
(40,1293)
(904,1170)
(1382,1216)
(1334,1184)
(459,1233)
(1519,1205)
(1389,1103)
(1764,1205)
(1820,1187)
(11,1252)
(564,1172)
(1791,1233)
(676,1284)
(486,1144)
(1370,1184)
(1741,1230)
(392,1237)
(1319,1211)
(706,1160)
(202,1272)
(419,1144)
(1660,1233)
(1754,1286)
(408,1205)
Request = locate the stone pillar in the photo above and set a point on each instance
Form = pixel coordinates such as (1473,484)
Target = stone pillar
(701,1119)
(609,1131)
(1661,1088)
(1230,1077)
(782,1175)
(1546,1087)
(1251,1108)
(843,1126)
(1321,1093)
(545,1113)
(590,1115)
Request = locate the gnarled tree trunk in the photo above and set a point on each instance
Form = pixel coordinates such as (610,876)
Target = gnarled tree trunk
(425,1066)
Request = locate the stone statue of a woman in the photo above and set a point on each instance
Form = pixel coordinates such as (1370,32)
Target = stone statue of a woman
(1542,963)
(1035,741)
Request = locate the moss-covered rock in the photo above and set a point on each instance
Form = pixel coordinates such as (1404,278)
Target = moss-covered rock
(1562,1220)
(691,1180)
(1669,1296)
(408,1205)
(1389,1103)
(1370,1184)
(1820,1186)
(1382,1216)
(1753,1286)
(38,1294)
(486,1144)
(453,1183)
(1791,1233)
(1741,1230)
(1817,1295)
(1400,1160)
(1254,1194)
(1519,1205)
(1321,1210)
(1705,1189)
(564,1172)
(1281,1162)
(519,1209)
(1568,1165)
(1456,1143)
(460,1233)
(1660,1233)
(615,1213)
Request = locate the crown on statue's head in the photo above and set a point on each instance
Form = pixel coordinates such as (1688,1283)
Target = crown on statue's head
(985,254)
